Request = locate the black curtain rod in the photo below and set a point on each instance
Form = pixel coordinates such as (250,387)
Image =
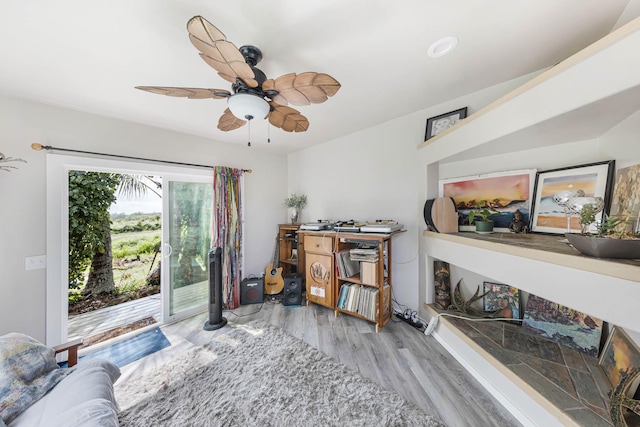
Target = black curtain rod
(39,147)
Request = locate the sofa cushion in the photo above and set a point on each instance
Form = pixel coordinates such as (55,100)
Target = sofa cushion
(85,394)
(28,370)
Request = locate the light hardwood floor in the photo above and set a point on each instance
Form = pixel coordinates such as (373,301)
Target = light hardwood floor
(399,357)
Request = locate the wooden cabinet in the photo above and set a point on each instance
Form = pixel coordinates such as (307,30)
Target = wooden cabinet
(324,282)
(319,280)
(319,268)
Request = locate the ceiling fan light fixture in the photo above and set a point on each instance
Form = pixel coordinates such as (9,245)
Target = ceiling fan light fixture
(247,107)
(442,47)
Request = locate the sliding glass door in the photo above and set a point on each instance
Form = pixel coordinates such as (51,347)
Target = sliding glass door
(187,240)
(187,199)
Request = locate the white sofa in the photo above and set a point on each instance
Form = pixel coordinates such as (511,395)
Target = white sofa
(82,396)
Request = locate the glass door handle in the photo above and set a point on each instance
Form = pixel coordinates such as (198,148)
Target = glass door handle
(168,250)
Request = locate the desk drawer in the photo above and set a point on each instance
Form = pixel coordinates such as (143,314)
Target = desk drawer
(318,244)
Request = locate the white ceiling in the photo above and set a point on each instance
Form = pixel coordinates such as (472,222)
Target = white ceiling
(89,55)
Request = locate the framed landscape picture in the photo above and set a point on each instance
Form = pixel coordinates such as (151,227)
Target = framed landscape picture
(504,300)
(563,325)
(504,192)
(594,179)
(619,355)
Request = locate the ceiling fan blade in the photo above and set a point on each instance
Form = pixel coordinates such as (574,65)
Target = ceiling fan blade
(204,30)
(302,89)
(229,122)
(287,119)
(222,55)
(187,92)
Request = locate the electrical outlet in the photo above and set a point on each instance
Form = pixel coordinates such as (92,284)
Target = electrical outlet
(37,262)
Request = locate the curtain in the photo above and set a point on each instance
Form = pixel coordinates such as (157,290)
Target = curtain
(227,230)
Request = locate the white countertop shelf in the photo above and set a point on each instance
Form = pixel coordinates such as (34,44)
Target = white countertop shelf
(543,265)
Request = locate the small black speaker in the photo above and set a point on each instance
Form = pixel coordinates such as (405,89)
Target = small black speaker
(252,291)
(292,290)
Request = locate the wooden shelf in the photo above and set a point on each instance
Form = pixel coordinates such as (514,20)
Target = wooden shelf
(356,279)
(353,313)
(288,242)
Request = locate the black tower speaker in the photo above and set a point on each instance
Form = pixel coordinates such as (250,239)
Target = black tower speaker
(216,321)
(292,290)
(252,291)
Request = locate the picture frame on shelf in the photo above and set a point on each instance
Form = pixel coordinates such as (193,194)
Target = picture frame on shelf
(595,179)
(625,201)
(564,325)
(619,354)
(503,300)
(438,124)
(506,192)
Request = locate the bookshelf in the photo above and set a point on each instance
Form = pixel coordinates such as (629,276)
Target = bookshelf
(290,257)
(330,274)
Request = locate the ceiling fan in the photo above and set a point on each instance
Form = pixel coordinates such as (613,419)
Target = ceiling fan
(254,96)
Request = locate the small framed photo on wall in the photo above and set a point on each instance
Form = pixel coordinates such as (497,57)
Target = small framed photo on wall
(438,124)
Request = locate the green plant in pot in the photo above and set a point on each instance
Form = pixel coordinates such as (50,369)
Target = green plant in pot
(295,203)
(481,218)
(611,239)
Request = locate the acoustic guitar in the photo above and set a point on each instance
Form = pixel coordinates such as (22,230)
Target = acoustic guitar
(273,281)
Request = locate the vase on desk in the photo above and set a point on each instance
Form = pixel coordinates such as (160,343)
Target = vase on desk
(293,214)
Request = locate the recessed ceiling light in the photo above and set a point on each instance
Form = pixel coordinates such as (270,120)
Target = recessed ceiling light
(442,47)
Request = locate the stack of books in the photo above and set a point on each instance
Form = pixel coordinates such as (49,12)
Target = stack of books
(360,299)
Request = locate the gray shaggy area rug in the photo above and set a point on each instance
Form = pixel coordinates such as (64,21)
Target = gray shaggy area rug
(258,375)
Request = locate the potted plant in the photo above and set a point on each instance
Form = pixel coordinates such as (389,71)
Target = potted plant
(612,238)
(484,224)
(295,203)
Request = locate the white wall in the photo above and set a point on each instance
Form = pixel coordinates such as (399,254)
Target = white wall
(23,191)
(368,175)
(372,174)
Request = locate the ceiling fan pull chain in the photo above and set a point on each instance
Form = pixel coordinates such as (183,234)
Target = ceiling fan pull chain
(268,133)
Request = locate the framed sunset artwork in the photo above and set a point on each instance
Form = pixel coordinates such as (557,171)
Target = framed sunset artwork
(620,355)
(504,192)
(594,179)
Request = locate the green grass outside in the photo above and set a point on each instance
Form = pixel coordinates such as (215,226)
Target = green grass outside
(129,272)
(134,244)
(134,240)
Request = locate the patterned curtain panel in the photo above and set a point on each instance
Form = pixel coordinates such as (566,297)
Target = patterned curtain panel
(227,230)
